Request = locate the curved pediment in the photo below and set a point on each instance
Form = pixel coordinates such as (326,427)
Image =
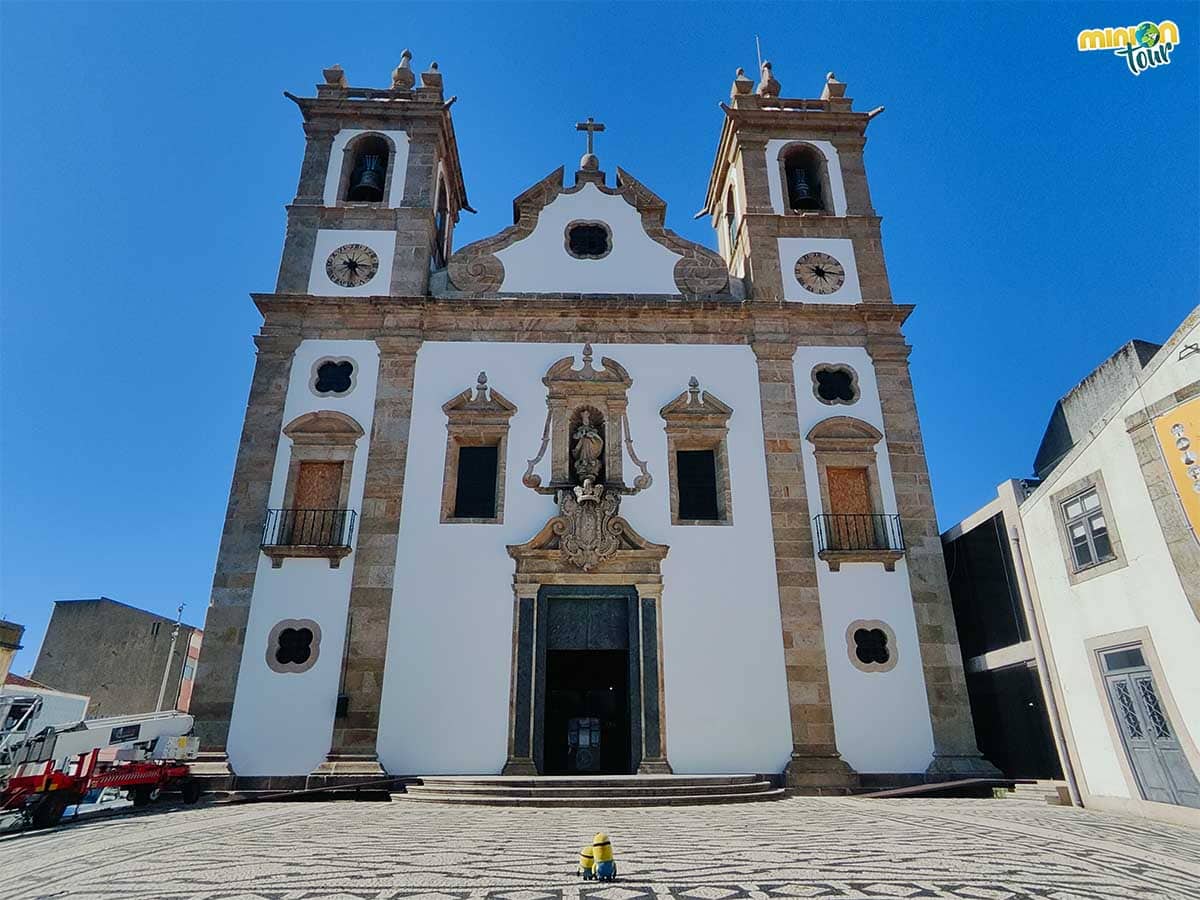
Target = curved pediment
(631,252)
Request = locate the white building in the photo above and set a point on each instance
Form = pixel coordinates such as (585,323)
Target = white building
(583,481)
(1108,544)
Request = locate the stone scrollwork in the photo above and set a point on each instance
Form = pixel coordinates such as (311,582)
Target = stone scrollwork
(480,272)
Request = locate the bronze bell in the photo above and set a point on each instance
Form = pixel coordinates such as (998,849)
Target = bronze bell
(366,181)
(802,196)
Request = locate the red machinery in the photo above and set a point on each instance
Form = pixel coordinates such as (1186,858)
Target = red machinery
(57,767)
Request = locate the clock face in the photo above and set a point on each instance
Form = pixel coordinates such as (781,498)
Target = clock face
(820,273)
(352,265)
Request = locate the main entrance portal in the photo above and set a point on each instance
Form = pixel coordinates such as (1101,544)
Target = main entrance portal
(587,712)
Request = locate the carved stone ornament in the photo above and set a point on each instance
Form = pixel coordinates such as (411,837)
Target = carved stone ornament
(586,430)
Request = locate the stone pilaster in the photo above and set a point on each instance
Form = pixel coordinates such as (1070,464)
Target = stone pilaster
(315,167)
(237,558)
(763,274)
(353,748)
(854,174)
(815,766)
(954,749)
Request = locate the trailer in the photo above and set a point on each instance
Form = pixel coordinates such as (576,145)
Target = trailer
(40,776)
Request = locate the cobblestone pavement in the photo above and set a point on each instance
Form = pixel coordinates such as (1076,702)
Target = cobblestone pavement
(804,847)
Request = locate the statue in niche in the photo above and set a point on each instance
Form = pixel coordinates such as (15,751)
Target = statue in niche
(587,444)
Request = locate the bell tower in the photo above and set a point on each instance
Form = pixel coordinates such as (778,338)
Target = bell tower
(788,196)
(380,188)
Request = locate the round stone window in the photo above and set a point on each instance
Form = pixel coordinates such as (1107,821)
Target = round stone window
(333,377)
(293,645)
(588,240)
(835,385)
(871,645)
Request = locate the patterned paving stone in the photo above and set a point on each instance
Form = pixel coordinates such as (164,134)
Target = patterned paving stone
(797,848)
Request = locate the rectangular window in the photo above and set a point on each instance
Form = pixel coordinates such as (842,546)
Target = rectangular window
(1083,517)
(697,473)
(1130,658)
(475,491)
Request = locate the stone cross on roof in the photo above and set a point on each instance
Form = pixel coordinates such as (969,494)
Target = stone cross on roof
(589,162)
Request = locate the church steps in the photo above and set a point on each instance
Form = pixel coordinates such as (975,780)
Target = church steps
(594,791)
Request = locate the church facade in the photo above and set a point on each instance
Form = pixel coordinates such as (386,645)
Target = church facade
(583,496)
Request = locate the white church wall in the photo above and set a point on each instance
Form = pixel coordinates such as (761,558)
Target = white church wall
(833,164)
(636,264)
(337,158)
(446,685)
(283,722)
(329,239)
(881,718)
(841,249)
(1146,593)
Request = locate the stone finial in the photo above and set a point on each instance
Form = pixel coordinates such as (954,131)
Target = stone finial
(431,77)
(587,355)
(334,75)
(742,85)
(402,76)
(481,386)
(767,85)
(833,87)
(693,390)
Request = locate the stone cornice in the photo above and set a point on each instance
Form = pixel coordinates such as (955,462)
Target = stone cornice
(574,318)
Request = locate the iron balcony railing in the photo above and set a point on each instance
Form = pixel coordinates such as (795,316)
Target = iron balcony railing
(308,528)
(859,531)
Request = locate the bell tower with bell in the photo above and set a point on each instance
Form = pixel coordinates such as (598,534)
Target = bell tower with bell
(788,196)
(380,188)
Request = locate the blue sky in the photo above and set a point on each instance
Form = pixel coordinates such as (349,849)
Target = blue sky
(1039,205)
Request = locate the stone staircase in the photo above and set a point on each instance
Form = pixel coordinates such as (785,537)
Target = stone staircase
(1054,793)
(591,791)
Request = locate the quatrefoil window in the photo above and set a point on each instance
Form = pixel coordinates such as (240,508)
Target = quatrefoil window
(588,240)
(835,385)
(872,645)
(333,376)
(293,645)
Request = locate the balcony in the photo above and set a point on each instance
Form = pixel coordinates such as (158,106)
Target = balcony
(862,537)
(308,533)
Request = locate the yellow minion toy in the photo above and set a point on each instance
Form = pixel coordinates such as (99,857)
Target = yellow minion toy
(586,872)
(602,854)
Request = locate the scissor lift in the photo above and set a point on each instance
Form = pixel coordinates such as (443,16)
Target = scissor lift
(41,775)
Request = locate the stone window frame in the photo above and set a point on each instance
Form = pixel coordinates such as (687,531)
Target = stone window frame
(1138,637)
(273,644)
(1076,575)
(824,187)
(852,647)
(567,238)
(698,420)
(323,435)
(312,378)
(833,366)
(347,168)
(477,417)
(846,442)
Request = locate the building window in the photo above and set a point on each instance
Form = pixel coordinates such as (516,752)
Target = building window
(315,519)
(1084,519)
(697,473)
(804,178)
(853,525)
(441,228)
(333,377)
(475,493)
(293,646)
(835,384)
(365,175)
(476,446)
(154,626)
(1087,533)
(731,221)
(588,240)
(697,426)
(871,645)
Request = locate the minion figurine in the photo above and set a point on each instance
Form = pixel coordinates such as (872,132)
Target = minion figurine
(586,872)
(606,868)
